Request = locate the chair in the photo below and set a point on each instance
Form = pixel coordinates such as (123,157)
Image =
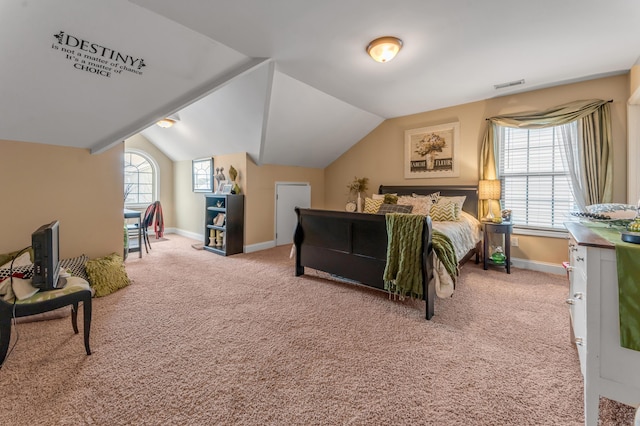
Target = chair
(147,221)
(44,301)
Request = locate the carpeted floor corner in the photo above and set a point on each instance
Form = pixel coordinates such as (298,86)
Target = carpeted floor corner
(201,339)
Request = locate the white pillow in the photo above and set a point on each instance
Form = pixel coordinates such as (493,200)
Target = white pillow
(381,196)
(23,260)
(22,288)
(421,205)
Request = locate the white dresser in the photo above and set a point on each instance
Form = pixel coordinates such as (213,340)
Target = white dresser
(608,369)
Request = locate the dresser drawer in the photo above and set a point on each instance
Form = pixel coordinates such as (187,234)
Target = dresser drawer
(578,257)
(577,299)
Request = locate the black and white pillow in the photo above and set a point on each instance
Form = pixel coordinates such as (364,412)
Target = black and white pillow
(76,266)
(20,272)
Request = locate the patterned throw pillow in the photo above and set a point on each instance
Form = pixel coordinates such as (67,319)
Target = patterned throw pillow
(20,272)
(371,205)
(76,266)
(394,208)
(421,203)
(459,200)
(445,212)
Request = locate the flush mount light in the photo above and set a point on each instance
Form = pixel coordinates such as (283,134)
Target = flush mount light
(384,49)
(165,123)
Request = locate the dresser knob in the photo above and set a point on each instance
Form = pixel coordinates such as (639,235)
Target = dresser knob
(570,301)
(569,268)
(578,295)
(579,341)
(579,259)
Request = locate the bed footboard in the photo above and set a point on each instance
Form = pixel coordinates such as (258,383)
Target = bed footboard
(353,246)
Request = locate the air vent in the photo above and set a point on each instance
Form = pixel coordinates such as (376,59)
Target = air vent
(509,84)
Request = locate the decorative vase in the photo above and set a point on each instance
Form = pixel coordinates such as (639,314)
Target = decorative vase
(431,160)
(359,203)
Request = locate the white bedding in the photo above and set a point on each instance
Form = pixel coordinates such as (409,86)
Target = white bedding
(464,235)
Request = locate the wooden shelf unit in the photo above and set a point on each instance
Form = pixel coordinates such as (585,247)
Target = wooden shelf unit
(232,206)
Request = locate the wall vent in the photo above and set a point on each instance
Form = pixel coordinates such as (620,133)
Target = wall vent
(509,84)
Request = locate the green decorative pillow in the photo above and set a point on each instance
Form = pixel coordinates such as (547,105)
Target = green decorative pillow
(390,199)
(445,212)
(107,274)
(371,205)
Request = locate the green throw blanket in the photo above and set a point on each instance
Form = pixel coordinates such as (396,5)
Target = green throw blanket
(443,248)
(628,269)
(403,272)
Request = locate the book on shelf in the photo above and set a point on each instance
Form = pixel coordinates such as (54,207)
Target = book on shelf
(219,219)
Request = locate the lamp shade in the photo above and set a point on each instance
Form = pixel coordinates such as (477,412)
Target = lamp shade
(489,190)
(384,49)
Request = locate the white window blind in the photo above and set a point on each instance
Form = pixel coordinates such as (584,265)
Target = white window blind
(535,181)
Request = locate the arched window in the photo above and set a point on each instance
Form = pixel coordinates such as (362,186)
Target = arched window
(140,179)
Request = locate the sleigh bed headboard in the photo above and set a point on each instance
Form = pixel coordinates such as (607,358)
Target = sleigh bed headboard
(471,192)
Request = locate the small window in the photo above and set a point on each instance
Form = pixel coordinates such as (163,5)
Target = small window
(140,177)
(535,178)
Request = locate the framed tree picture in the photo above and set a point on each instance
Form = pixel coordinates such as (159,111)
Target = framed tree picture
(202,174)
(432,152)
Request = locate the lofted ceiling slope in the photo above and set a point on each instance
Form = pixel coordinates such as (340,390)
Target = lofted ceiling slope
(287,81)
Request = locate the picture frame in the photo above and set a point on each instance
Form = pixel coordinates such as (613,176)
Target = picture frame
(432,152)
(226,187)
(219,186)
(202,174)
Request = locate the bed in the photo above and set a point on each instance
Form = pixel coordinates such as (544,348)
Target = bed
(353,246)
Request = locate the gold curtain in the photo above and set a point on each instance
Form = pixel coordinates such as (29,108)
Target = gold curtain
(595,134)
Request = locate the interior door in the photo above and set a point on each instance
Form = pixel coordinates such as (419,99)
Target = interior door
(288,197)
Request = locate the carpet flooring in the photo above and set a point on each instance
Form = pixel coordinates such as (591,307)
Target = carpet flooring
(200,339)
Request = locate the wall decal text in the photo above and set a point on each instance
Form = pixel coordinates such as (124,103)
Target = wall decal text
(95,58)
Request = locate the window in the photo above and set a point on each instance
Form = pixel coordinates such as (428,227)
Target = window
(536,185)
(140,177)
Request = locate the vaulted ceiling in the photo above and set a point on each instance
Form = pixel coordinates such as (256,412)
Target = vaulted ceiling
(287,81)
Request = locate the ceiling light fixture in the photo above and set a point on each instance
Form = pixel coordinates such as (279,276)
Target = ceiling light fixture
(384,49)
(165,123)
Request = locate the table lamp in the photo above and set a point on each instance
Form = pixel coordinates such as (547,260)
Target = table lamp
(489,190)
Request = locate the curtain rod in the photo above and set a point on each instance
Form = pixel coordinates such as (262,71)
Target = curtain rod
(609,101)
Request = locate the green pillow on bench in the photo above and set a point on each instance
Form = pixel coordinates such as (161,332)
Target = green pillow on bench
(107,274)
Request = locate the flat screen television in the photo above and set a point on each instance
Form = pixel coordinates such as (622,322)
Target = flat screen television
(46,260)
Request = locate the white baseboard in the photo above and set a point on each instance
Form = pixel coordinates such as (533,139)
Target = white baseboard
(188,234)
(533,265)
(200,237)
(259,246)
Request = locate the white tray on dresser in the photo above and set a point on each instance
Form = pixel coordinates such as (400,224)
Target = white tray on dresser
(608,369)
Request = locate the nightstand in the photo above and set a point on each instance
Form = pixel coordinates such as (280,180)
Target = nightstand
(497,230)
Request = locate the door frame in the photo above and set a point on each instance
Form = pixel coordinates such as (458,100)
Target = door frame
(275,204)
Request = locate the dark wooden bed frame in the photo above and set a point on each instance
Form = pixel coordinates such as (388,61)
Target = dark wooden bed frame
(353,246)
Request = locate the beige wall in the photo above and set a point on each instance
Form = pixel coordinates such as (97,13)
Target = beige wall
(165,164)
(260,201)
(42,183)
(379,155)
